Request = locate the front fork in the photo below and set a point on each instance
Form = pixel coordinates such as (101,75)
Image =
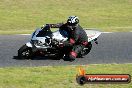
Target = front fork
(29,44)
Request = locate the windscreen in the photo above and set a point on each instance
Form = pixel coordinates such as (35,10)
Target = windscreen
(43,33)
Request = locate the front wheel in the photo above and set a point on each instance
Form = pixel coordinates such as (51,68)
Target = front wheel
(25,52)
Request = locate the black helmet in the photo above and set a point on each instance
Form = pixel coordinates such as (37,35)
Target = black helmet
(73,21)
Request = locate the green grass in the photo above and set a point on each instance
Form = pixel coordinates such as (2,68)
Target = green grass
(59,76)
(23,16)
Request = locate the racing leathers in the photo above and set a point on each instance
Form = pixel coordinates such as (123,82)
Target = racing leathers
(77,39)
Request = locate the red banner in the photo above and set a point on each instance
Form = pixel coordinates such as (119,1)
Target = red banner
(103,78)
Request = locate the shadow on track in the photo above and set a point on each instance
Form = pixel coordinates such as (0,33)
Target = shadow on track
(38,58)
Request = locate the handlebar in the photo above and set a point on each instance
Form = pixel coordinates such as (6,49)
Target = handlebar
(54,25)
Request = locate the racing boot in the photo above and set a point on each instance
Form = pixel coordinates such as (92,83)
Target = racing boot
(71,57)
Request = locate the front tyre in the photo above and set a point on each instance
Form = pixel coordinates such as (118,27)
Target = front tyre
(25,52)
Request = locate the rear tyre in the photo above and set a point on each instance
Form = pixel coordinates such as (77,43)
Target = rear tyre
(25,52)
(86,50)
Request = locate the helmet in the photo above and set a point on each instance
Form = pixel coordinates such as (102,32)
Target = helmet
(73,21)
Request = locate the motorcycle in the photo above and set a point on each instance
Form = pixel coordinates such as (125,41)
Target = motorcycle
(45,42)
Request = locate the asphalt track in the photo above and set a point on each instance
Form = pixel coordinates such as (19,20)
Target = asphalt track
(112,48)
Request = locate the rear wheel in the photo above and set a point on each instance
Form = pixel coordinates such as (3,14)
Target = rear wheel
(86,50)
(25,52)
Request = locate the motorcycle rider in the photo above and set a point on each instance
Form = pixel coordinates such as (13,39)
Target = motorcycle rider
(77,38)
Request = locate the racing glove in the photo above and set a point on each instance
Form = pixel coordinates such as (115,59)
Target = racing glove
(67,43)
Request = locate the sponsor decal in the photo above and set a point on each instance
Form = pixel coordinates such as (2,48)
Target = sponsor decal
(83,78)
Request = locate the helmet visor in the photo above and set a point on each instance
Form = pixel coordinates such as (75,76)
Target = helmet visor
(72,24)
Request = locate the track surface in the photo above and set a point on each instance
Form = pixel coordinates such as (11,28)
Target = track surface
(112,48)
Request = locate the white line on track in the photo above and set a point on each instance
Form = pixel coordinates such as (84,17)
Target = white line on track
(101,32)
(107,32)
(30,34)
(23,34)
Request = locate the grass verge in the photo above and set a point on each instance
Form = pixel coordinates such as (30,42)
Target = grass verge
(59,76)
(24,16)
